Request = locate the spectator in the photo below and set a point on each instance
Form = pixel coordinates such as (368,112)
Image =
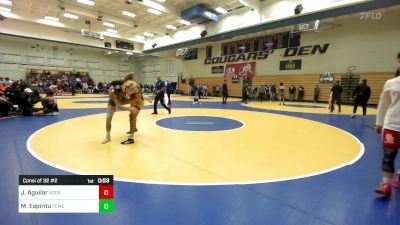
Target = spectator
(361,96)
(25,105)
(3,87)
(245,93)
(205,91)
(261,90)
(272,92)
(336,96)
(224,92)
(317,91)
(5,105)
(281,89)
(292,92)
(301,94)
(217,90)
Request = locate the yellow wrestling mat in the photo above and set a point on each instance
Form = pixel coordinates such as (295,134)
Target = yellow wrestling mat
(306,107)
(259,150)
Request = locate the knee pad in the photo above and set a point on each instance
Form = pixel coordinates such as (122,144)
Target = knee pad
(388,160)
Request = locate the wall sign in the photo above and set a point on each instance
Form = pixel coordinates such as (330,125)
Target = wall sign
(290,64)
(253,56)
(236,71)
(327,77)
(217,69)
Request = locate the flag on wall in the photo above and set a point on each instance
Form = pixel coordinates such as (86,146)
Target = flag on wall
(240,70)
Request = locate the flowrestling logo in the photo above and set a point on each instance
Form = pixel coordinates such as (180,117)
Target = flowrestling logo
(252,56)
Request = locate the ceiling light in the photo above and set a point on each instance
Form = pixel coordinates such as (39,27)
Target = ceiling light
(170,27)
(221,10)
(10,15)
(50,23)
(108,24)
(126,13)
(153,5)
(5,2)
(161,0)
(112,31)
(4,9)
(244,3)
(184,22)
(208,14)
(129,53)
(155,12)
(110,34)
(147,34)
(86,2)
(52,18)
(139,37)
(72,16)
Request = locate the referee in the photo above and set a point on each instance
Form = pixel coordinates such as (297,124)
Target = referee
(160,90)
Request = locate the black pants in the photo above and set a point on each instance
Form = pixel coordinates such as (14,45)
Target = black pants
(336,100)
(169,97)
(363,104)
(316,97)
(224,97)
(260,97)
(160,98)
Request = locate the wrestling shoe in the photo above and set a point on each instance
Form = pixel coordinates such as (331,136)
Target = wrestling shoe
(352,115)
(128,141)
(384,189)
(106,140)
(396,180)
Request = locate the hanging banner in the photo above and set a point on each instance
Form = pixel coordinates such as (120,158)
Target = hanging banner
(240,70)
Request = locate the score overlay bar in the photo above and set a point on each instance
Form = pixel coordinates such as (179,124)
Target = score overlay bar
(66,194)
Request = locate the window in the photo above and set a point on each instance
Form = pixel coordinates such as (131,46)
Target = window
(208,51)
(247,46)
(232,49)
(256,44)
(294,40)
(224,49)
(191,54)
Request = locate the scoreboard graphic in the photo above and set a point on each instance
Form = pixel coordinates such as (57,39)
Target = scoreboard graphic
(66,194)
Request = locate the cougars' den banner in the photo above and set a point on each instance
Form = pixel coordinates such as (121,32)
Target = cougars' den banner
(236,71)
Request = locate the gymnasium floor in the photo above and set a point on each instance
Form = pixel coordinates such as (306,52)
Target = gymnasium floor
(210,163)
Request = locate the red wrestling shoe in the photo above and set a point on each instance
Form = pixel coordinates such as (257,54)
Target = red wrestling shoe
(384,189)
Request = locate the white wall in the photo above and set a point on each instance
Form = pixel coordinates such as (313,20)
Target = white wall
(370,45)
(262,12)
(108,65)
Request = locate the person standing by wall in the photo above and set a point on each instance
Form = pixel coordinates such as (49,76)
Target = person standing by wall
(361,96)
(169,91)
(301,94)
(292,92)
(317,91)
(336,96)
(261,92)
(160,91)
(388,123)
(281,90)
(245,93)
(224,92)
(272,92)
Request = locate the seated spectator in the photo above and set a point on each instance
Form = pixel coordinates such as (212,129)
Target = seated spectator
(25,105)
(5,105)
(49,104)
(3,87)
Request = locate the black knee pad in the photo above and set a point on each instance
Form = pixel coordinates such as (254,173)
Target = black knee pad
(389,156)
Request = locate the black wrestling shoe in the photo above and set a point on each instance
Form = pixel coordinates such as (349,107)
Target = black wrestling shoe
(169,111)
(154,113)
(128,142)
